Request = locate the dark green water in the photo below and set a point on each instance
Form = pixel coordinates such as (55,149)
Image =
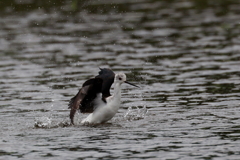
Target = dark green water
(185,55)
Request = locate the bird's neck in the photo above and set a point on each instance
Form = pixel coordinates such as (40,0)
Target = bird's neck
(115,99)
(117,91)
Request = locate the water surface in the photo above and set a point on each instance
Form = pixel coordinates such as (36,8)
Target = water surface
(183,54)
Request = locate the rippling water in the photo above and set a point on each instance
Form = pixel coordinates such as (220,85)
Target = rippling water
(183,54)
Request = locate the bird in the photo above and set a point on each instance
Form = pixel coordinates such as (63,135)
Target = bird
(94,97)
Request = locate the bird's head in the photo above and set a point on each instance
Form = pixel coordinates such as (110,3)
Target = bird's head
(121,78)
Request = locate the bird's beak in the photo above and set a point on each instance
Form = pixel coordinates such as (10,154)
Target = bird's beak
(131,84)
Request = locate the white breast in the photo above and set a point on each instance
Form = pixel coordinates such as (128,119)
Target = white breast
(103,113)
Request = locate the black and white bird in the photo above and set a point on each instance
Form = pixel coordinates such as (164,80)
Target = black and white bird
(94,97)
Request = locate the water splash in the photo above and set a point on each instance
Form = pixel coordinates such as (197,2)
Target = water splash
(136,114)
(43,122)
(47,122)
(63,123)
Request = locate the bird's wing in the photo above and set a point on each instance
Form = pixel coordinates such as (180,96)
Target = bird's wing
(75,102)
(107,75)
(84,98)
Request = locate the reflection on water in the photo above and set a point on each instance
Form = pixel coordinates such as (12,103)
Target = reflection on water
(183,54)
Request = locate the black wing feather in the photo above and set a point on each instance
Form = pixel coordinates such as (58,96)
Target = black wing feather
(75,102)
(83,100)
(107,75)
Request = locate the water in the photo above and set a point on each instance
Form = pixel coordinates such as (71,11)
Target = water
(183,54)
